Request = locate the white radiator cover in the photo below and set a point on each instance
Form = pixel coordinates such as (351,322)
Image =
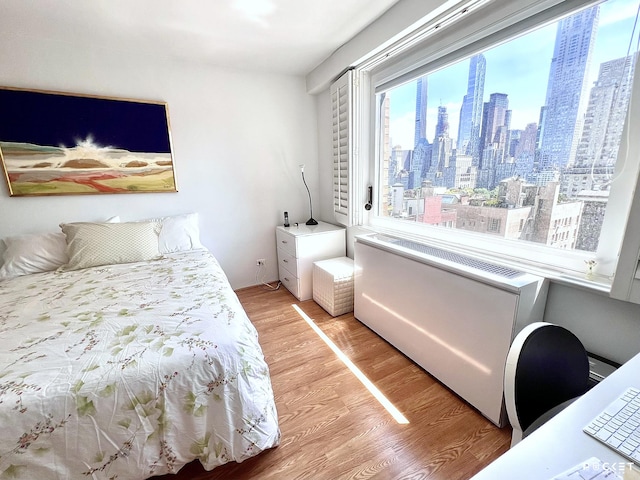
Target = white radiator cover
(455,321)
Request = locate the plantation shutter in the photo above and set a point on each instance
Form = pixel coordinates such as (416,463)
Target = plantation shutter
(341,101)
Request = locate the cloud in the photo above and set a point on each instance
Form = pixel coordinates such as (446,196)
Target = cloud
(617,11)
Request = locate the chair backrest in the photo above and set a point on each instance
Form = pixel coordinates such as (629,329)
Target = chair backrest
(546,365)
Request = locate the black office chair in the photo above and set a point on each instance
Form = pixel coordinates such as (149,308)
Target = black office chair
(547,368)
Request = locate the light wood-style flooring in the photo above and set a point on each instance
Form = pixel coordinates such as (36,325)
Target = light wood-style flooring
(332,428)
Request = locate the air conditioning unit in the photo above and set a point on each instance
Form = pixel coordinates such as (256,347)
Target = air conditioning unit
(452,314)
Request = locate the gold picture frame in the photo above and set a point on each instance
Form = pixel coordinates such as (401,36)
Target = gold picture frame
(54,143)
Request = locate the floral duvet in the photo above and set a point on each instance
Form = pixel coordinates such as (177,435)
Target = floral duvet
(129,371)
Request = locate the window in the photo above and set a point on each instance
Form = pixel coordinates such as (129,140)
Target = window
(522,127)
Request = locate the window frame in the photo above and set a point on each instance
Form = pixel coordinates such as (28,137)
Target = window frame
(488,25)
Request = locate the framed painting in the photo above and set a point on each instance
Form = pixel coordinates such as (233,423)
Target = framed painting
(54,143)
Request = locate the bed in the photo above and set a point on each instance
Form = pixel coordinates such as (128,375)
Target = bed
(129,369)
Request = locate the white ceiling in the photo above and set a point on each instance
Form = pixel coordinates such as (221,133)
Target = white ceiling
(284,36)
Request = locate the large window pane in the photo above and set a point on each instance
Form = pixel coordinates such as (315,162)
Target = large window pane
(519,141)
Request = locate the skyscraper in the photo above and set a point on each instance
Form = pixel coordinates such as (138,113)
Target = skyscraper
(385,106)
(606,112)
(495,116)
(441,153)
(471,110)
(493,138)
(597,152)
(566,88)
(525,151)
(442,127)
(421,110)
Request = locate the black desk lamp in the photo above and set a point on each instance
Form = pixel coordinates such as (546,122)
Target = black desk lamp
(311,221)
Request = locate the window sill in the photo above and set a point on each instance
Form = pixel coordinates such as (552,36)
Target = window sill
(593,283)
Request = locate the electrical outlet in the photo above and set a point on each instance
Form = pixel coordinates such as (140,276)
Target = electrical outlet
(260,262)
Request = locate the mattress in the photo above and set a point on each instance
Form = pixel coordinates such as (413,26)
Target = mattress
(129,371)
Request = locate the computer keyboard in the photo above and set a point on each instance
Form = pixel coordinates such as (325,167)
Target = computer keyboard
(618,426)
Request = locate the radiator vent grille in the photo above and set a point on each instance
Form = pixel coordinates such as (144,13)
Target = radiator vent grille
(504,272)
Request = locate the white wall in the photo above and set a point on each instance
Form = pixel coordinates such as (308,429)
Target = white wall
(325,155)
(607,327)
(238,138)
(401,18)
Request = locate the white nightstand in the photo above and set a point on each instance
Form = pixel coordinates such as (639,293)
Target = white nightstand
(299,247)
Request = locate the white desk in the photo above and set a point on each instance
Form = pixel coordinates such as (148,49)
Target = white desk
(560,443)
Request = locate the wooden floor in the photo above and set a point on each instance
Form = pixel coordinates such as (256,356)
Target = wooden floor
(332,428)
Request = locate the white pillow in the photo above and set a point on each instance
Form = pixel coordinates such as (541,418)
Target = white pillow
(178,233)
(95,244)
(36,253)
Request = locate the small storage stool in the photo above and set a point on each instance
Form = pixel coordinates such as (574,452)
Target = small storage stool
(333,285)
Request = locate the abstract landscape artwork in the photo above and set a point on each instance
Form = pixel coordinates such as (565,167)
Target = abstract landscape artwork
(55,143)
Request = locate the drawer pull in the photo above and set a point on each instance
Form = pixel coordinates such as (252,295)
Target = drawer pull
(286,279)
(284,260)
(284,241)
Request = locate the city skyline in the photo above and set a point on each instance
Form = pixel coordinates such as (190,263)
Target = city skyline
(448,86)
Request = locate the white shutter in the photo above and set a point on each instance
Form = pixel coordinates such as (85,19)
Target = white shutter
(341,107)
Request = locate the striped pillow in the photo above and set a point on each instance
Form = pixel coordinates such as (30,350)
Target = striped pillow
(95,244)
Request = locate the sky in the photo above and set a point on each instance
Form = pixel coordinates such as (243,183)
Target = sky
(49,119)
(527,58)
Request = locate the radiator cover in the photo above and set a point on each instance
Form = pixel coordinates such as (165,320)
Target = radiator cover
(453,315)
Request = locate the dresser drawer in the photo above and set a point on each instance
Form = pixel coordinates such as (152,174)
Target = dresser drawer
(286,242)
(288,261)
(291,282)
(299,246)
